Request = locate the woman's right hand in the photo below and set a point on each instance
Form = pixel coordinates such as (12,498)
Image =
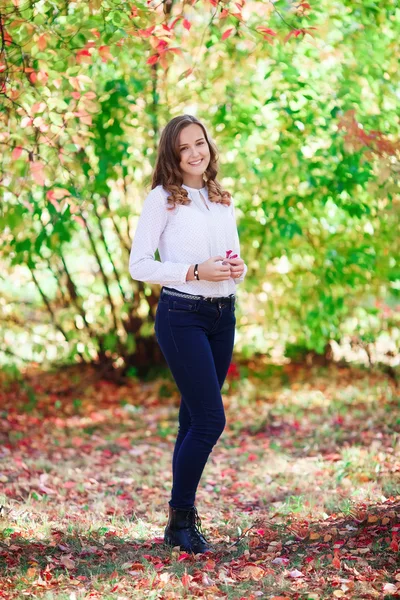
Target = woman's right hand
(213,269)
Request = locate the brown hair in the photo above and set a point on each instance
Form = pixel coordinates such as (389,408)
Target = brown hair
(167,171)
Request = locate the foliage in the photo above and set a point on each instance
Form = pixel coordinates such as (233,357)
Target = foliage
(301,100)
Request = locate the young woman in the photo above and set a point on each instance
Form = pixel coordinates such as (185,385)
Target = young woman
(190,218)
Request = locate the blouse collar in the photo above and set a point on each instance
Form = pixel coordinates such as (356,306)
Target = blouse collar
(194,189)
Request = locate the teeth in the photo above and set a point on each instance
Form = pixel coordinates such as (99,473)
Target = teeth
(196,163)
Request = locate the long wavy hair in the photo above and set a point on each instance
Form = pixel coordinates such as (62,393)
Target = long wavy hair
(167,171)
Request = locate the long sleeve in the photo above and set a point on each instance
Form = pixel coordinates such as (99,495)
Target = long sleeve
(236,248)
(150,225)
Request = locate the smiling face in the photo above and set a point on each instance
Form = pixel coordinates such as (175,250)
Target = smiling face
(194,155)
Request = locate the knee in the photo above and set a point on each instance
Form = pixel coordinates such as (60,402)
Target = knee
(217,426)
(209,429)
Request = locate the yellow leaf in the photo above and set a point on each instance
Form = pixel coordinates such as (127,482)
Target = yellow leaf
(252,572)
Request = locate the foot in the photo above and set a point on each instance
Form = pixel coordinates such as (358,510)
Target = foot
(184,530)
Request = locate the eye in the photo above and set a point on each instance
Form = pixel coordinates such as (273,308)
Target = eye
(198,144)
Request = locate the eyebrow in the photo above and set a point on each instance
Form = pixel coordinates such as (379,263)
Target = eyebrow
(202,138)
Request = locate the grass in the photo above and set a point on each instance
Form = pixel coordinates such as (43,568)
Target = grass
(306,470)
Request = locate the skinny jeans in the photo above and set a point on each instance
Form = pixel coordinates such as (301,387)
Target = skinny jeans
(196,338)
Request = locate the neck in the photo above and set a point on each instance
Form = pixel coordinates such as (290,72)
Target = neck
(197,183)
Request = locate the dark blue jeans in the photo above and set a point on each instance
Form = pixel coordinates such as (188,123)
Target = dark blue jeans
(196,337)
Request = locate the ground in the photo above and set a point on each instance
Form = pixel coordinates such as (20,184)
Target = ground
(300,497)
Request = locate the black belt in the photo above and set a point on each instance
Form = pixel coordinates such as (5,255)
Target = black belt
(198,297)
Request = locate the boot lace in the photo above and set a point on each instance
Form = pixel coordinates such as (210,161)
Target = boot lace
(197,523)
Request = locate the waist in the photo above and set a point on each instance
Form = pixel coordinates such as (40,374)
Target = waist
(173,292)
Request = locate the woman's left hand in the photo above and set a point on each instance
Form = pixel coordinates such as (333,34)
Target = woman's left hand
(237,266)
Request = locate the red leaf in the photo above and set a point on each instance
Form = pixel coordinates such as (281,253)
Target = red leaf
(336,562)
(146,32)
(394,544)
(309,33)
(227,33)
(42,42)
(16,153)
(266,30)
(174,22)
(295,32)
(7,38)
(187,25)
(185,74)
(36,168)
(153,59)
(183,556)
(79,220)
(104,53)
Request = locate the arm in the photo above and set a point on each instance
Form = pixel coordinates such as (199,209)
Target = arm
(236,247)
(151,224)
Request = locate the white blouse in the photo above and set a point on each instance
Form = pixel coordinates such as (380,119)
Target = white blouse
(184,236)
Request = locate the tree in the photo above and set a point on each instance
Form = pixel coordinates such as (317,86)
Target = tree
(302,102)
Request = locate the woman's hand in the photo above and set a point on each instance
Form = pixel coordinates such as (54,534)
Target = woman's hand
(237,266)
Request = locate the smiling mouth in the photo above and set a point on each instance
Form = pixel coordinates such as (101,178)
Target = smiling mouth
(196,164)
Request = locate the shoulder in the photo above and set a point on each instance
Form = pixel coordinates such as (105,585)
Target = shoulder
(156,197)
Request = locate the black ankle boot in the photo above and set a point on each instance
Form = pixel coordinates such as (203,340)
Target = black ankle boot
(184,529)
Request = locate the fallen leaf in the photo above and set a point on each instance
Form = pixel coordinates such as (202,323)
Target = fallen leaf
(186,579)
(296,573)
(252,572)
(280,560)
(390,588)
(67,562)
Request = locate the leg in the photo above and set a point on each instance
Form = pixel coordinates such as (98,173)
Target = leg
(221,344)
(184,424)
(222,339)
(201,394)
(187,350)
